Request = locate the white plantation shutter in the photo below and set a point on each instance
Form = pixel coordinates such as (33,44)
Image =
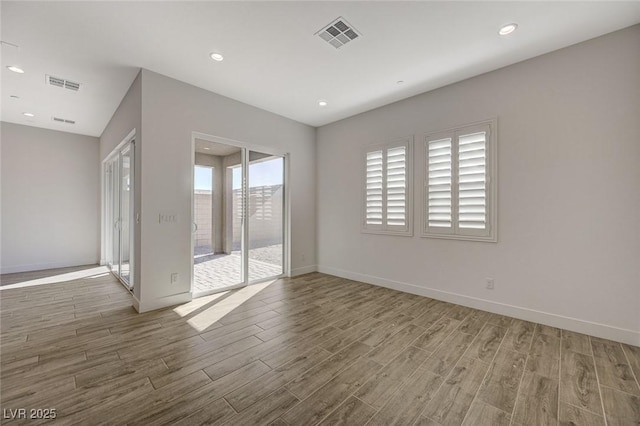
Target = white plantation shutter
(460,194)
(439,184)
(373,215)
(387,202)
(397,186)
(472,179)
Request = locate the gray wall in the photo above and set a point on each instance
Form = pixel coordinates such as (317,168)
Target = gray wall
(127,118)
(50,199)
(569,204)
(171,111)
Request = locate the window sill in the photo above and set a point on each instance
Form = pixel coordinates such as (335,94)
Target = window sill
(488,239)
(385,232)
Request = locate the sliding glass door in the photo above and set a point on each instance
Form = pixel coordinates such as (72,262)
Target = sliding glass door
(238,230)
(126,213)
(118,212)
(266,216)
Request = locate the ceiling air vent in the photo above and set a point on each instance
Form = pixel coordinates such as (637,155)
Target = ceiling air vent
(338,33)
(63,120)
(61,82)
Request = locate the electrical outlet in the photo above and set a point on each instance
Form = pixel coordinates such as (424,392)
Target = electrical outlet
(489,282)
(302,257)
(174,278)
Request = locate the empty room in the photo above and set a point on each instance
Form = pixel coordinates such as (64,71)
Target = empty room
(320,213)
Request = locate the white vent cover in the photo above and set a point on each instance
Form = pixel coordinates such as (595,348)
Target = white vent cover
(338,33)
(61,82)
(63,120)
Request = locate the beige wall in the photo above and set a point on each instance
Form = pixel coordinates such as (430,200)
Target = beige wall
(50,199)
(569,192)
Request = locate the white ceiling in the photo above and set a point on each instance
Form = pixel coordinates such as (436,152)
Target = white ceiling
(272,58)
(212,148)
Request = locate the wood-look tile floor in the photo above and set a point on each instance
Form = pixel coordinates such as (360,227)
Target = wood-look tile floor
(311,350)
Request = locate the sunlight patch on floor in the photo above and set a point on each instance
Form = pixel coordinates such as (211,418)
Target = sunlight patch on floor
(99,271)
(211,315)
(195,304)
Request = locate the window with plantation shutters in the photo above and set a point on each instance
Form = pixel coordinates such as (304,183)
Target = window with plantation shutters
(387,194)
(374,188)
(460,185)
(397,186)
(472,179)
(439,183)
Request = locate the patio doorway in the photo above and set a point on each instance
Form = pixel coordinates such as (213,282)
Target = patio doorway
(119,212)
(239,216)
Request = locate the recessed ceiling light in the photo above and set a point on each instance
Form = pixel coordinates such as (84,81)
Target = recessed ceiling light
(207,148)
(14,96)
(507,29)
(28,114)
(322,103)
(15,69)
(400,82)
(216,56)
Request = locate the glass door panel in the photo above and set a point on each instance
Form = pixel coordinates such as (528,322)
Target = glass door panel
(119,213)
(203,211)
(125,213)
(108,213)
(266,216)
(238,217)
(218,225)
(115,217)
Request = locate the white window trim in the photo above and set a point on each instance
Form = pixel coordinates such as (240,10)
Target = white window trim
(492,186)
(406,231)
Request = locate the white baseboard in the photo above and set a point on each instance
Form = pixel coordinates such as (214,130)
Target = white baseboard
(573,324)
(136,303)
(12,269)
(304,270)
(163,302)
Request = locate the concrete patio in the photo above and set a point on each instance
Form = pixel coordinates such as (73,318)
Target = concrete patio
(219,271)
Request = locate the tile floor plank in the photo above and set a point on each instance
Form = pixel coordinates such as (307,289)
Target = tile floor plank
(445,357)
(311,380)
(537,402)
(500,386)
(265,411)
(379,388)
(257,389)
(578,381)
(620,408)
(486,343)
(436,334)
(519,336)
(481,414)
(576,342)
(349,413)
(544,355)
(633,355)
(406,405)
(450,404)
(612,366)
(572,416)
(387,350)
(326,399)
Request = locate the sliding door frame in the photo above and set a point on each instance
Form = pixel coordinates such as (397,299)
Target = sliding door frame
(106,228)
(245,149)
